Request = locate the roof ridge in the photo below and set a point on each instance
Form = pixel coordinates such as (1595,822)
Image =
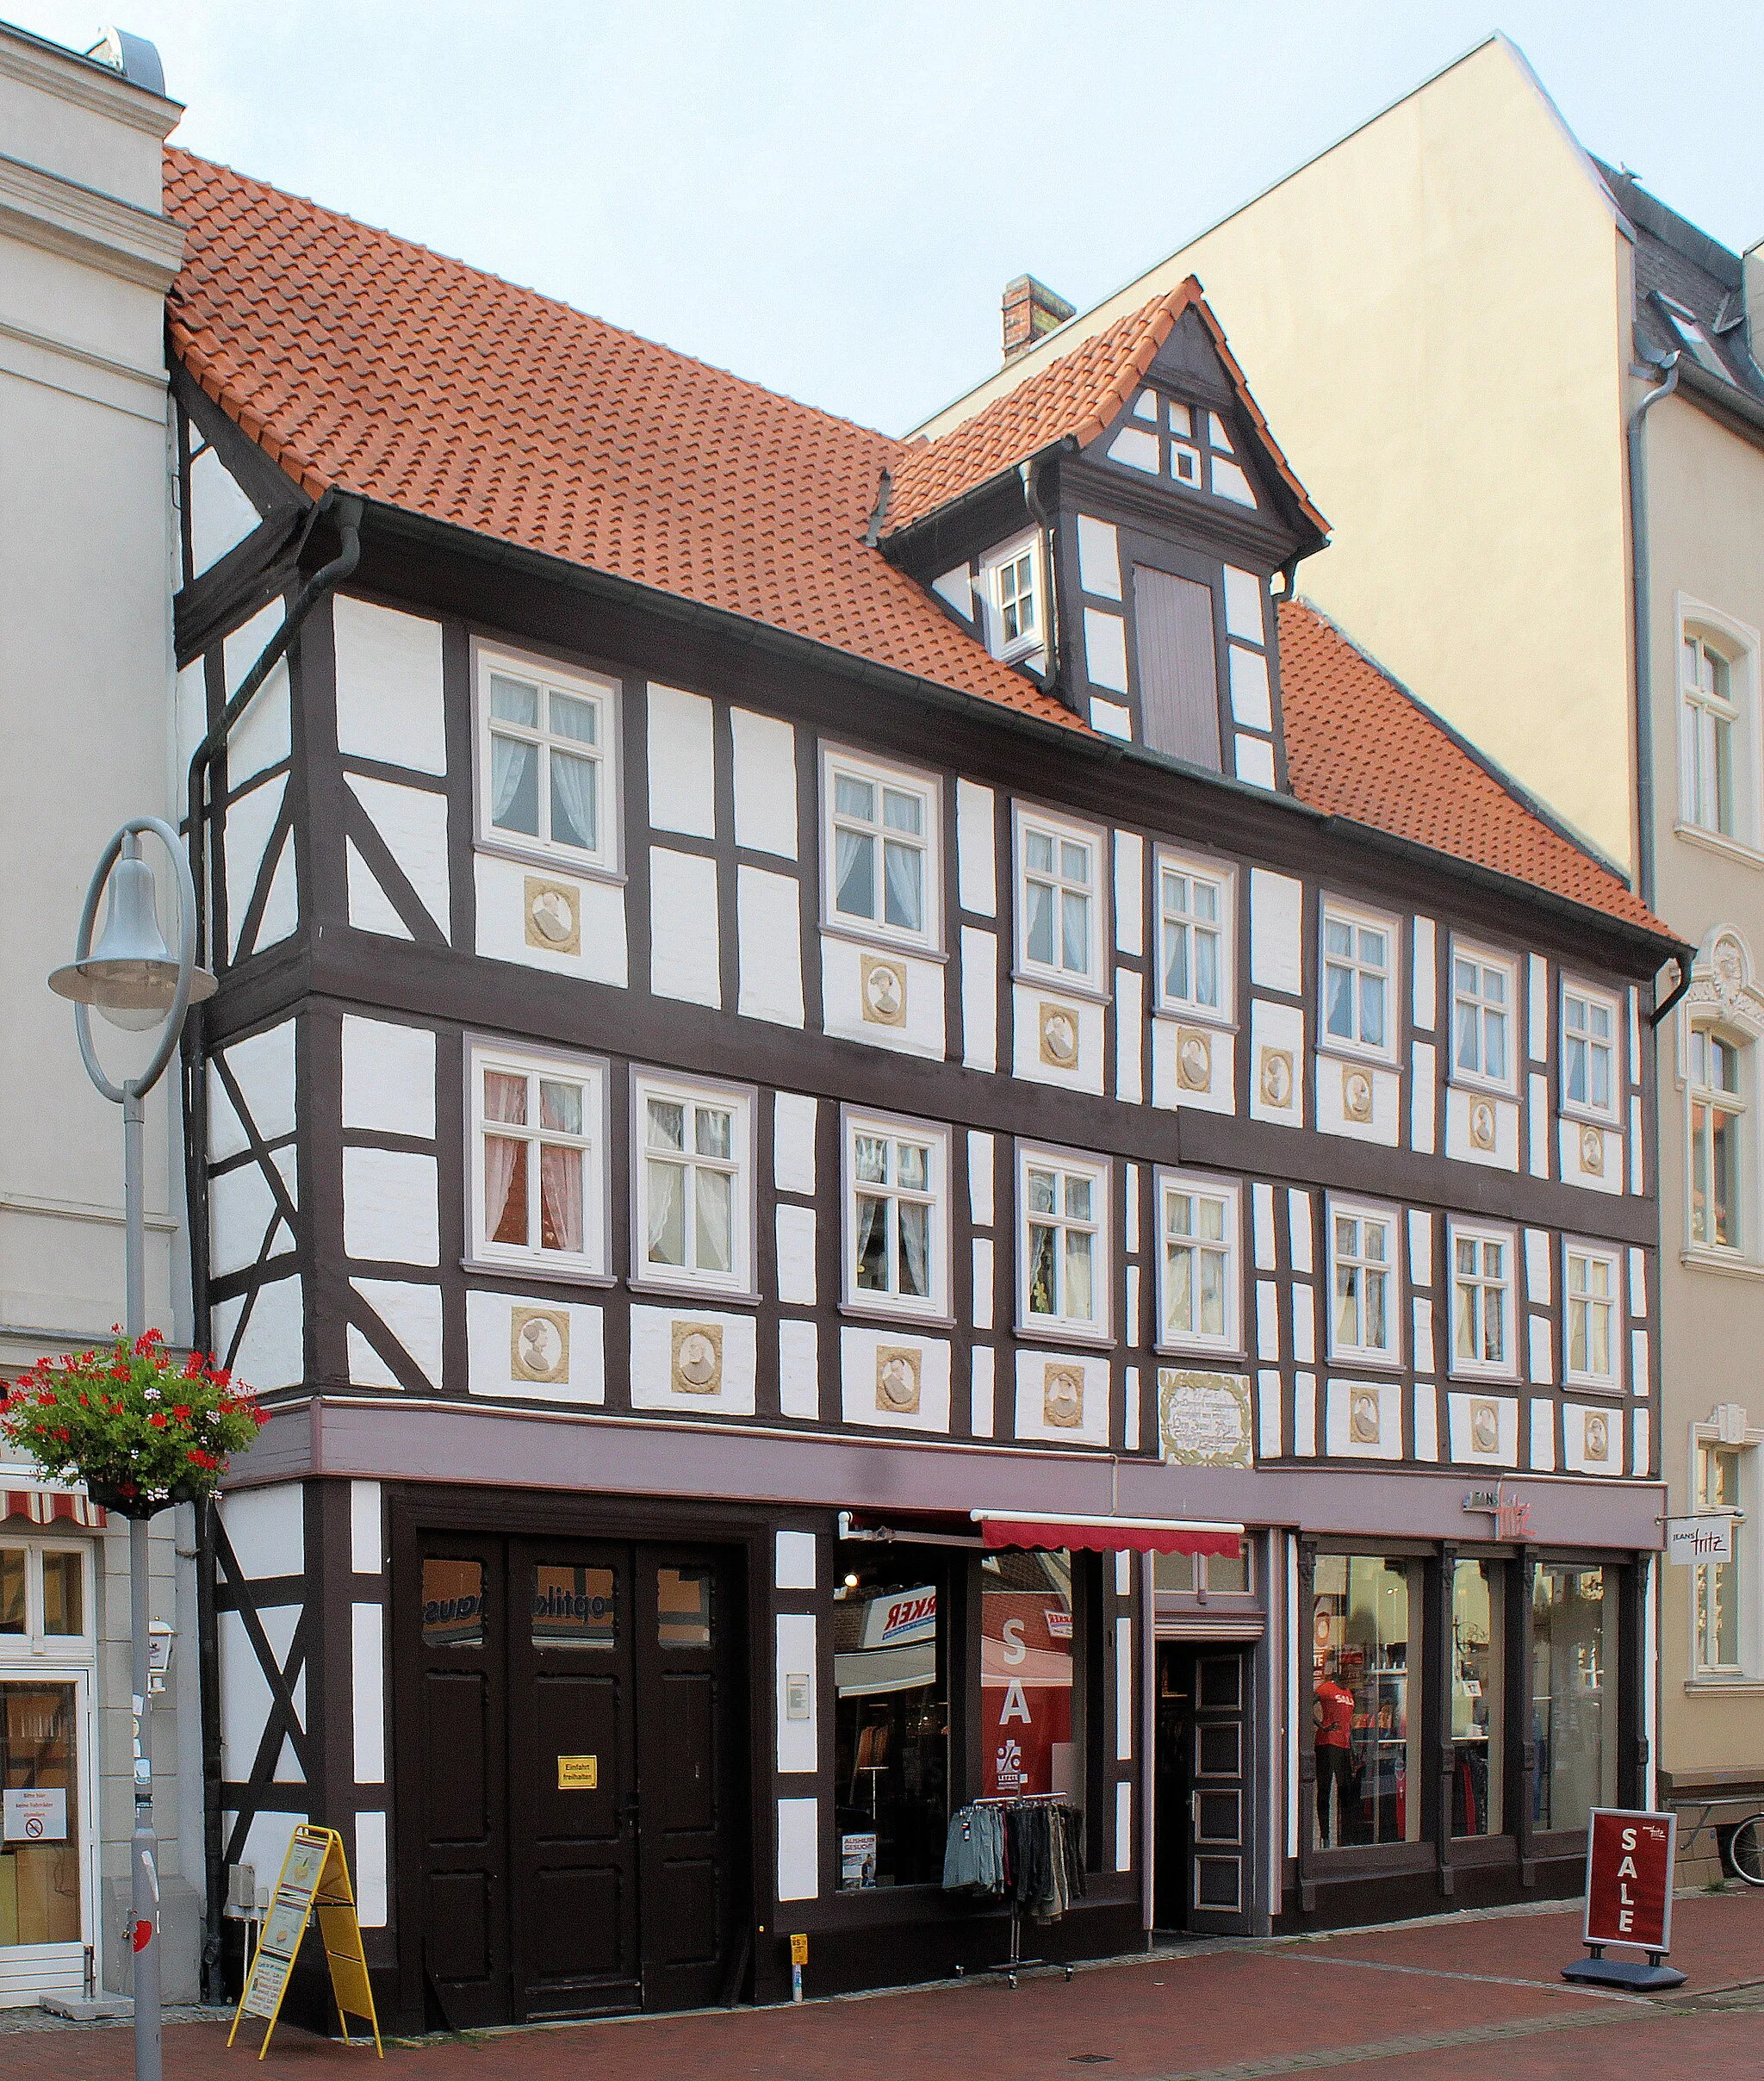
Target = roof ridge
(526,290)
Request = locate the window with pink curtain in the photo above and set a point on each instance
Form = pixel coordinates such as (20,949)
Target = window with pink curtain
(545,1145)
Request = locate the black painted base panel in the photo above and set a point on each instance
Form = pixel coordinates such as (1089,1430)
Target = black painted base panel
(1345,1903)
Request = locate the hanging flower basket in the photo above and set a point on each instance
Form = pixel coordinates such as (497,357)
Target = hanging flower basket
(141,1432)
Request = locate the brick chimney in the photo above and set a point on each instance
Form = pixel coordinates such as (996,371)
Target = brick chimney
(1031,310)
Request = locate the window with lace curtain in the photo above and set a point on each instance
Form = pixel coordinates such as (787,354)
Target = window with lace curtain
(547,772)
(880,829)
(692,1184)
(897,1223)
(539,1185)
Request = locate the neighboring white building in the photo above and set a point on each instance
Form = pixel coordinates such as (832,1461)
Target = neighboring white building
(86,255)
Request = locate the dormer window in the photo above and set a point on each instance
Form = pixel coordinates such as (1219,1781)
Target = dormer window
(1010,579)
(1185,443)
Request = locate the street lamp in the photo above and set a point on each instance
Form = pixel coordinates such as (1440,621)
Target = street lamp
(137,983)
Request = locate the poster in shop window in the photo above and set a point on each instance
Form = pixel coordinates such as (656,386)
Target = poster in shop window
(1026,1690)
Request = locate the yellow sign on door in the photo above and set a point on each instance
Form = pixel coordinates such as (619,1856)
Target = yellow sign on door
(314,1880)
(578,1773)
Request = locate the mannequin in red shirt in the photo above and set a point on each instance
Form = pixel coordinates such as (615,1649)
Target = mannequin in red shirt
(1333,1713)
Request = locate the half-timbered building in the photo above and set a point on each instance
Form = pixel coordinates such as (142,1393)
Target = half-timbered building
(888,1132)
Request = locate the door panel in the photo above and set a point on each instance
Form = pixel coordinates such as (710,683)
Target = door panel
(1221,1861)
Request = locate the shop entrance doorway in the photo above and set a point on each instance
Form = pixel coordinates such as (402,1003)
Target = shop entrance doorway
(576,1840)
(1205,1848)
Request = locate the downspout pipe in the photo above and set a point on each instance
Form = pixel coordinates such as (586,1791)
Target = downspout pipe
(346,511)
(1641,631)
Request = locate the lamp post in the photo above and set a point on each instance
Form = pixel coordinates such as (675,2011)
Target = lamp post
(138,983)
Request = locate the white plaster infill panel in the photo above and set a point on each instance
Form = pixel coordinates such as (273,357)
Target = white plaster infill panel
(1362,1420)
(1130,1036)
(390,705)
(976,843)
(410,1314)
(1470,1442)
(1345,1081)
(728,1390)
(390,1213)
(367,1553)
(1592,1438)
(1036,1049)
(502,933)
(1194,1066)
(373,1890)
(1591,1155)
(865,1355)
(262,1065)
(764,782)
(1277,1063)
(494,1323)
(798,1849)
(682,762)
(270,1351)
(245,1219)
(799,1371)
(915,988)
(222,514)
(1277,932)
(267,1529)
(261,738)
(1047,1408)
(797,1697)
(794,1559)
(371,909)
(685,939)
(1424,974)
(794,1117)
(768,931)
(411,822)
(1129,893)
(1481,1127)
(367,1670)
(249,826)
(795,1228)
(245,1690)
(388,1077)
(979,999)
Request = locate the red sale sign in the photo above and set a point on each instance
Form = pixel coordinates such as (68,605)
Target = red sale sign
(1629,1879)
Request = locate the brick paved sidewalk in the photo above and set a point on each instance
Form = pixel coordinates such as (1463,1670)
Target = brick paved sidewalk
(1473,1998)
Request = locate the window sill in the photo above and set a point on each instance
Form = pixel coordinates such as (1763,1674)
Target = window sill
(694,1295)
(1479,1087)
(1702,1686)
(572,866)
(532,1271)
(1727,1263)
(1334,1049)
(1612,1387)
(1589,1116)
(1060,985)
(1456,1376)
(1718,841)
(1202,1357)
(891,1318)
(1189,1015)
(1383,1362)
(882,942)
(1067,1333)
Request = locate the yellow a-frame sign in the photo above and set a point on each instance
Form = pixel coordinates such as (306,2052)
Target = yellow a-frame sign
(314,1875)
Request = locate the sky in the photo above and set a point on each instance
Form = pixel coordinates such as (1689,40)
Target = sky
(829,198)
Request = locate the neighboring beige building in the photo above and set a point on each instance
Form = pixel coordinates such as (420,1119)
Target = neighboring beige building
(1454,315)
(86,255)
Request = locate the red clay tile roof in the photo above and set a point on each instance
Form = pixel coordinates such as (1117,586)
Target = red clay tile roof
(362,361)
(1079,395)
(365,362)
(1360,747)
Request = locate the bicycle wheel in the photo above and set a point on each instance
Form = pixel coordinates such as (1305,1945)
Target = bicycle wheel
(1745,1851)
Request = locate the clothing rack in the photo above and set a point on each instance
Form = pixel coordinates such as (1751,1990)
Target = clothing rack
(1016,1962)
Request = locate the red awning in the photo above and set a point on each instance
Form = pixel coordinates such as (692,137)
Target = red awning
(1108,1535)
(50,1507)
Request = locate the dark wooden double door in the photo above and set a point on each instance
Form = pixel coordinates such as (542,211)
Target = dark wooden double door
(579,1711)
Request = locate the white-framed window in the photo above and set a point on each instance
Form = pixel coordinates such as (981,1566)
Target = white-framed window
(46,1611)
(881,850)
(1717,1099)
(1010,579)
(1482,1317)
(1061,927)
(1719,1644)
(1360,980)
(1593,1325)
(692,1184)
(1063,1253)
(896,1215)
(1484,1000)
(548,766)
(1195,924)
(1365,1309)
(1198,1263)
(1589,1071)
(1712,727)
(539,1169)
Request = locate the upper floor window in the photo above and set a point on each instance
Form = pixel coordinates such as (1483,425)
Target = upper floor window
(1589,1051)
(1710,725)
(1717,1102)
(546,769)
(896,1215)
(1010,581)
(692,1183)
(1063,1242)
(1719,1650)
(1198,1263)
(1481,1301)
(539,1180)
(1363,1278)
(45,1603)
(1594,1350)
(1195,927)
(881,851)
(1359,979)
(1060,930)
(1483,989)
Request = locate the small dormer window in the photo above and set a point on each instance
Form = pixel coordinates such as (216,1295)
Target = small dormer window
(1011,579)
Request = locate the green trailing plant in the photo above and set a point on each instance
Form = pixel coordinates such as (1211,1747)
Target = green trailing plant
(141,1429)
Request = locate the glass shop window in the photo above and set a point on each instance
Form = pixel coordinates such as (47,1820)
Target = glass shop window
(1215,1575)
(1478,1610)
(891,1722)
(453,1603)
(1025,1671)
(39,1880)
(1366,1631)
(683,1607)
(573,1607)
(12,1605)
(1574,1694)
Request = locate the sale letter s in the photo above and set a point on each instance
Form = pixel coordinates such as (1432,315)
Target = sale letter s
(1015,1651)
(1629,1838)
